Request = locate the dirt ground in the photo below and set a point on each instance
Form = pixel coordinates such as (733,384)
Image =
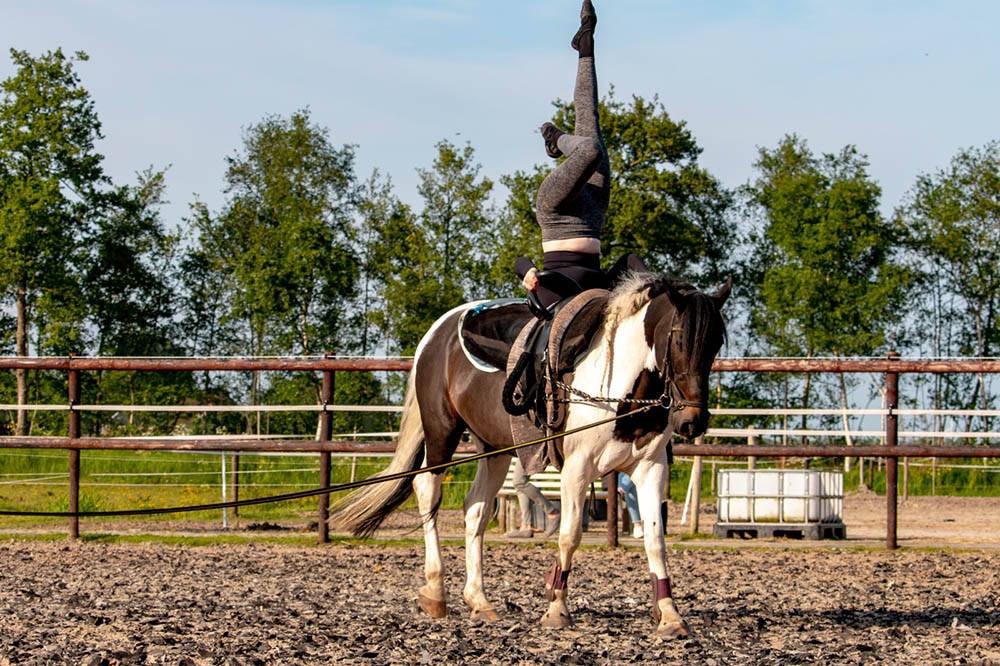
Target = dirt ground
(932,522)
(95,603)
(764,601)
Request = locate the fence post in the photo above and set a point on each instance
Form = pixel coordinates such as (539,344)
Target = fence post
(74,454)
(891,464)
(325,430)
(236,484)
(611,480)
(696,494)
(751,441)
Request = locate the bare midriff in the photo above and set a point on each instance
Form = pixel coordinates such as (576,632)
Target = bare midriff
(587,245)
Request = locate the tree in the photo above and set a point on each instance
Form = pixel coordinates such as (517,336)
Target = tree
(829,282)
(664,206)
(127,274)
(51,179)
(426,264)
(953,218)
(280,251)
(456,215)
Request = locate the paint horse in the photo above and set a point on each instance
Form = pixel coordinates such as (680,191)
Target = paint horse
(658,339)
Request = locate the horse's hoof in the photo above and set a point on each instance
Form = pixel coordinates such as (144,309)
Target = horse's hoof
(488,615)
(436,608)
(556,620)
(673,630)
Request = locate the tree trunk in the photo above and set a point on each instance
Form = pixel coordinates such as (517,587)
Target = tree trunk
(21,342)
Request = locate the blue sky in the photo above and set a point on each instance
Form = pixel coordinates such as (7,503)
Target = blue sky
(174,82)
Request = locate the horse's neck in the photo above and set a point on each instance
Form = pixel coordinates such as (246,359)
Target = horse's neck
(615,362)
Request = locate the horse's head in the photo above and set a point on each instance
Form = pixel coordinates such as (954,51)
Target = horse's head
(685,330)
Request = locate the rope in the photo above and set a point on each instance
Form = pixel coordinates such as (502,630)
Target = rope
(314,492)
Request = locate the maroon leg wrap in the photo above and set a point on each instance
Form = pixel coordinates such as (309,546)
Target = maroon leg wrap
(661,590)
(556,579)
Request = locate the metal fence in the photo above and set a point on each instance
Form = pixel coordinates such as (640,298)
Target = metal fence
(325,444)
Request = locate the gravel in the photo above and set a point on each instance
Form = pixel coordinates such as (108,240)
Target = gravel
(97,604)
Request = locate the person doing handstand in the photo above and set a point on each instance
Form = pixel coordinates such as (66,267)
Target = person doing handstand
(572,201)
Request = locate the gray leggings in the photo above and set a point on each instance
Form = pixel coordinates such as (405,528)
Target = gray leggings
(573,199)
(527,493)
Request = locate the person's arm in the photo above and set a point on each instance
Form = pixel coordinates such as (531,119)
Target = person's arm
(526,270)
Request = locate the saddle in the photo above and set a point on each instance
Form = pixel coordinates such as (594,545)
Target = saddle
(488,330)
(504,335)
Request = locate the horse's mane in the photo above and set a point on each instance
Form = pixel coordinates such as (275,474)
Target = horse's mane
(637,289)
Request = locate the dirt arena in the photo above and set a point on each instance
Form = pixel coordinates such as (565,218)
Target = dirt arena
(95,603)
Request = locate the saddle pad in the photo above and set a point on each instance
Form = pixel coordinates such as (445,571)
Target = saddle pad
(487,331)
(589,307)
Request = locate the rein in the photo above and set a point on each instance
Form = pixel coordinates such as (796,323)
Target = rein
(325,490)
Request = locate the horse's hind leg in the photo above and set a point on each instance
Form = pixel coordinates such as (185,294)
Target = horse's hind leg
(432,597)
(489,477)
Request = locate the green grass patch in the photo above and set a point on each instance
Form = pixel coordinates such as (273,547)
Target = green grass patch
(116,480)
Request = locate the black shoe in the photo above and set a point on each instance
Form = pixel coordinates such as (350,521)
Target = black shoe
(583,40)
(551,134)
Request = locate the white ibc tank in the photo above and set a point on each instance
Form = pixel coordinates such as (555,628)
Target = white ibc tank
(794,496)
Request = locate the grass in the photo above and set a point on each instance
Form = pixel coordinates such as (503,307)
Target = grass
(117,480)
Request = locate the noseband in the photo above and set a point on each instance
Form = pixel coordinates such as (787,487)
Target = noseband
(673,397)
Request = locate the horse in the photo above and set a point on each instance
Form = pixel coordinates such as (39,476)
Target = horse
(657,340)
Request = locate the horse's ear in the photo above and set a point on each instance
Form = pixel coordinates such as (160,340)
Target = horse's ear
(722,293)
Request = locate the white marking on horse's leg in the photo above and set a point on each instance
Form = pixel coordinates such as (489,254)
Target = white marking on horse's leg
(649,477)
(577,474)
(432,598)
(489,477)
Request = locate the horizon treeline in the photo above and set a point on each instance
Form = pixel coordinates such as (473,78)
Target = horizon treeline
(307,256)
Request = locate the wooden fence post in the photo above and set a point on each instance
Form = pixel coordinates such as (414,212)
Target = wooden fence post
(236,484)
(696,495)
(74,454)
(325,430)
(891,464)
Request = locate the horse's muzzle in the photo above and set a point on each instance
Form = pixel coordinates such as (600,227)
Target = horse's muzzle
(691,422)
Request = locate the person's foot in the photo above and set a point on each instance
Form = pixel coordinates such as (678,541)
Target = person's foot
(551,134)
(583,40)
(552,524)
(523,533)
(636,530)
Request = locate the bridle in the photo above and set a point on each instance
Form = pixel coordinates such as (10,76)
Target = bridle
(673,397)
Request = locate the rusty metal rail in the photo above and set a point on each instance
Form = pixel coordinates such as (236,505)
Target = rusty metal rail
(892,366)
(335,364)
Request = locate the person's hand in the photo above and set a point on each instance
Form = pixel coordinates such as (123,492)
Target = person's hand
(530,280)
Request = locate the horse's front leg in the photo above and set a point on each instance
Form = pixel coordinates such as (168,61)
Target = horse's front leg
(431,598)
(649,477)
(489,477)
(576,476)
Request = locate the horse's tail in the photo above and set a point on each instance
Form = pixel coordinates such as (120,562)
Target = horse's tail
(363,511)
